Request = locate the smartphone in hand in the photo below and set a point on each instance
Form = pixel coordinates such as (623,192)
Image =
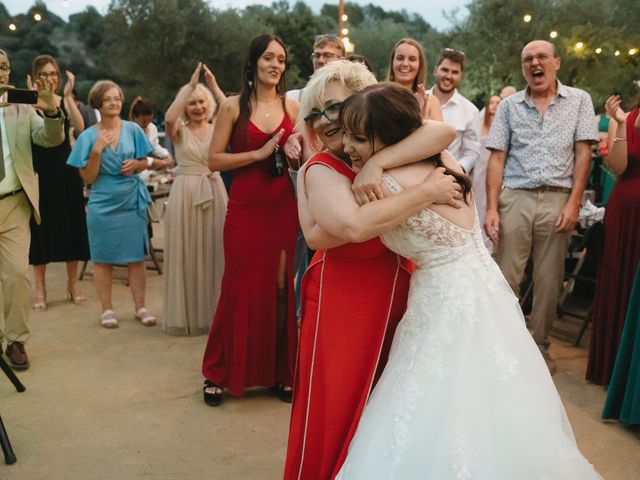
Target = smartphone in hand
(22,95)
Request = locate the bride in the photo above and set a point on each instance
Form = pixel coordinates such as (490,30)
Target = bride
(465,393)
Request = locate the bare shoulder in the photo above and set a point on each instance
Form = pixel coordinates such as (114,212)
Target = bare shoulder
(231,105)
(292,106)
(410,175)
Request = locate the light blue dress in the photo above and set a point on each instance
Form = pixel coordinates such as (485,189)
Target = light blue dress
(117,208)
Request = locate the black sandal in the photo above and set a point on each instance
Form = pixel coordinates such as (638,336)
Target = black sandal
(212,399)
(285,396)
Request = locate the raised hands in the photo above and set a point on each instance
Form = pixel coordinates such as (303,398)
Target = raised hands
(613,109)
(68,87)
(195,77)
(210,79)
(46,99)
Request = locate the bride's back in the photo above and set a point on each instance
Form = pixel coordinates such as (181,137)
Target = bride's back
(410,175)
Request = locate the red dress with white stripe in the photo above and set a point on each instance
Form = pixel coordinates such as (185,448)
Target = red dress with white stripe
(353,297)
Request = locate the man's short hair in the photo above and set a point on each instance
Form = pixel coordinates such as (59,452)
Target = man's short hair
(453,55)
(330,39)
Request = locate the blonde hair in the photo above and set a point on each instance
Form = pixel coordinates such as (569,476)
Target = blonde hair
(98,91)
(353,77)
(212,106)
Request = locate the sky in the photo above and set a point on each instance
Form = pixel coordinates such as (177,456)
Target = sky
(431,10)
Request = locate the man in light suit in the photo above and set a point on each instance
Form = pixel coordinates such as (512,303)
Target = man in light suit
(19,125)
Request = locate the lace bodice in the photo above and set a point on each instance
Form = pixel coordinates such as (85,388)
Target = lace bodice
(430,240)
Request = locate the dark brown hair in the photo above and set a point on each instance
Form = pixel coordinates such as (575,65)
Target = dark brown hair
(388,112)
(140,107)
(421,74)
(256,48)
(453,55)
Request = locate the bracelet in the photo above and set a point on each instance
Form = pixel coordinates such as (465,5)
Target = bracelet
(56,115)
(618,139)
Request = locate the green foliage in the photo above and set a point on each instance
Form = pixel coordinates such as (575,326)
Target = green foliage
(152,46)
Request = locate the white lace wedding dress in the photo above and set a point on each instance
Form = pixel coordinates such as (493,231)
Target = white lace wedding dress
(466,394)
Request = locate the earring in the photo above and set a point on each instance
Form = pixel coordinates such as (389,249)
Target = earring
(249,78)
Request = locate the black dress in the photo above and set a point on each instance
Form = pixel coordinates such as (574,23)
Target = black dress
(62,234)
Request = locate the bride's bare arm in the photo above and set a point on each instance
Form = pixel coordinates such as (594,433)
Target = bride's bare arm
(333,206)
(428,140)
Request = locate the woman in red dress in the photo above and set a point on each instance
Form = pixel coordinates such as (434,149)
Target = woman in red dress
(355,289)
(253,337)
(621,251)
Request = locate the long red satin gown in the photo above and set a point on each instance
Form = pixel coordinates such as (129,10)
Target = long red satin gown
(353,297)
(620,257)
(244,348)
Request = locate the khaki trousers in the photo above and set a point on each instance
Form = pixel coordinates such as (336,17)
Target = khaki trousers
(527,227)
(15,237)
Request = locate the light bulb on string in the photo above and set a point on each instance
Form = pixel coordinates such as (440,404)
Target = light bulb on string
(553,34)
(526,18)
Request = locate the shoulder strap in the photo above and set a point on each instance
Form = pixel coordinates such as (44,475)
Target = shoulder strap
(331,162)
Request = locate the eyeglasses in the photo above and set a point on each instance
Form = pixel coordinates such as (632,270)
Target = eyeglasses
(542,57)
(325,55)
(5,68)
(46,75)
(449,51)
(331,112)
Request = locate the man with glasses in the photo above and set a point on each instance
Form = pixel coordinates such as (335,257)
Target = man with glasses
(19,126)
(326,48)
(540,144)
(456,109)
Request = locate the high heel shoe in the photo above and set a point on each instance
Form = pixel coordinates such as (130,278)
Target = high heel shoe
(76,298)
(214,398)
(39,302)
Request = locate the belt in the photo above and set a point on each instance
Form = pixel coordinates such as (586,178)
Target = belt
(5,195)
(547,188)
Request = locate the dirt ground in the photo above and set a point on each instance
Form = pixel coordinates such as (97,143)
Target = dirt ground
(127,404)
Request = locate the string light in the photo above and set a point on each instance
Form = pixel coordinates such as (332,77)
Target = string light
(37,17)
(12,27)
(526,18)
(345,17)
(598,50)
(617,53)
(633,51)
(345,31)
(553,34)
(579,46)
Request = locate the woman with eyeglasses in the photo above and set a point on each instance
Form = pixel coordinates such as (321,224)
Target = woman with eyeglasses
(62,233)
(408,67)
(110,155)
(253,338)
(355,289)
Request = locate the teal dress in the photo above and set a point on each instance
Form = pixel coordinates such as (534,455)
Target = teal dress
(117,208)
(623,395)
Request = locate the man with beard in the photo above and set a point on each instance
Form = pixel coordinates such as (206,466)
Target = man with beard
(541,151)
(456,109)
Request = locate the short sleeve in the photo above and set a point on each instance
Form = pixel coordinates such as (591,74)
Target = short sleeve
(141,143)
(80,153)
(500,133)
(587,127)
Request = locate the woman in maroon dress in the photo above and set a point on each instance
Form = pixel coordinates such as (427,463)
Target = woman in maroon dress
(355,289)
(621,241)
(253,337)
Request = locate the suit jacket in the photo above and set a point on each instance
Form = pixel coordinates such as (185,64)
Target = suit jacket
(23,126)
